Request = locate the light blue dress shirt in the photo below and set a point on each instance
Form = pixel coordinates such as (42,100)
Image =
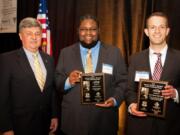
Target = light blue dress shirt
(83,52)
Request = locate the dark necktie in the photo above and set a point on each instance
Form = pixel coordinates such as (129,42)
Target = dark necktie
(157,68)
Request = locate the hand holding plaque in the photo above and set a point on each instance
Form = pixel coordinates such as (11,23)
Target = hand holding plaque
(92,88)
(150,99)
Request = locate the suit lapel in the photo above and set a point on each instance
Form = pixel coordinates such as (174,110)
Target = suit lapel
(144,63)
(148,63)
(167,65)
(77,58)
(24,63)
(47,67)
(101,58)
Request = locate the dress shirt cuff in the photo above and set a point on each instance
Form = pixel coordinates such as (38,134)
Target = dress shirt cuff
(67,85)
(115,102)
(129,108)
(176,99)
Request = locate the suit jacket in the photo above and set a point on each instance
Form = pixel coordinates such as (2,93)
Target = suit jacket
(171,73)
(24,108)
(78,119)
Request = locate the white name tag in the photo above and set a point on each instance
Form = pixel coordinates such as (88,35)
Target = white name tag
(108,69)
(141,75)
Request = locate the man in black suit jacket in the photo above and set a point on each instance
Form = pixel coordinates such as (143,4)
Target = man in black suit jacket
(27,108)
(93,119)
(143,64)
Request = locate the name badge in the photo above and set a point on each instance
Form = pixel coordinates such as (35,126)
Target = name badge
(141,75)
(108,69)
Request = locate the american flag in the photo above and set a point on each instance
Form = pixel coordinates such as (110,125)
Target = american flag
(46,34)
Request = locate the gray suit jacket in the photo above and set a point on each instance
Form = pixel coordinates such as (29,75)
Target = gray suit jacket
(78,119)
(171,73)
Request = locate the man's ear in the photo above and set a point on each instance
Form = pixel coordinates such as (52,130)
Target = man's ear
(146,32)
(168,30)
(20,36)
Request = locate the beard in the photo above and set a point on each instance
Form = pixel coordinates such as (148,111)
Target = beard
(89,46)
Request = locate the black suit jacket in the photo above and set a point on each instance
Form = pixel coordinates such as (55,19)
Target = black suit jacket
(24,108)
(171,73)
(78,119)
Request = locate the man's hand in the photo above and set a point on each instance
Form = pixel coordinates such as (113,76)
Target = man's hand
(133,110)
(74,77)
(54,125)
(8,133)
(108,103)
(169,92)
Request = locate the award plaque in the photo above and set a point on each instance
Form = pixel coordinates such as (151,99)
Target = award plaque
(92,88)
(150,99)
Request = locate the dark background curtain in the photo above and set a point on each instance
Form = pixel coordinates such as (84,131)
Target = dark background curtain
(121,23)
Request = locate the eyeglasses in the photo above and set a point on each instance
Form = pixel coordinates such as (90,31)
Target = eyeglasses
(86,29)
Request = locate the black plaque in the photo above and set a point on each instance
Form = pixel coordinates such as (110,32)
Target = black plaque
(92,88)
(150,99)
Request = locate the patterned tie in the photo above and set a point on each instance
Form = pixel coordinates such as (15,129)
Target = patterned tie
(89,65)
(157,68)
(38,72)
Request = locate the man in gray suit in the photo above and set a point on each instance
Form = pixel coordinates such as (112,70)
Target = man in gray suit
(27,97)
(94,119)
(143,65)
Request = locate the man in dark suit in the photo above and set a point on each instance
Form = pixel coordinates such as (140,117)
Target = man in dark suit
(27,97)
(143,65)
(93,119)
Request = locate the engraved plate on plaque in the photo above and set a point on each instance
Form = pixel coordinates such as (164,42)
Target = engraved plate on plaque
(150,99)
(92,88)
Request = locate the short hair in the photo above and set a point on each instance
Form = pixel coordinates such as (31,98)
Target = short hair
(29,22)
(88,16)
(160,14)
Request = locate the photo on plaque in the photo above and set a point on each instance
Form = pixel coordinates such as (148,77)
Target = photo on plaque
(92,88)
(150,99)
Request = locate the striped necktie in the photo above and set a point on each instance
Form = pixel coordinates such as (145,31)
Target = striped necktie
(38,72)
(89,65)
(158,68)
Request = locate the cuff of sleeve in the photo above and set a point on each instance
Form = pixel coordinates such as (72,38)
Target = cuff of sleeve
(176,99)
(115,102)
(129,108)
(67,84)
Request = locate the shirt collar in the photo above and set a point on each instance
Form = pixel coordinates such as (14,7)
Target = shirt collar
(29,53)
(83,49)
(163,51)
